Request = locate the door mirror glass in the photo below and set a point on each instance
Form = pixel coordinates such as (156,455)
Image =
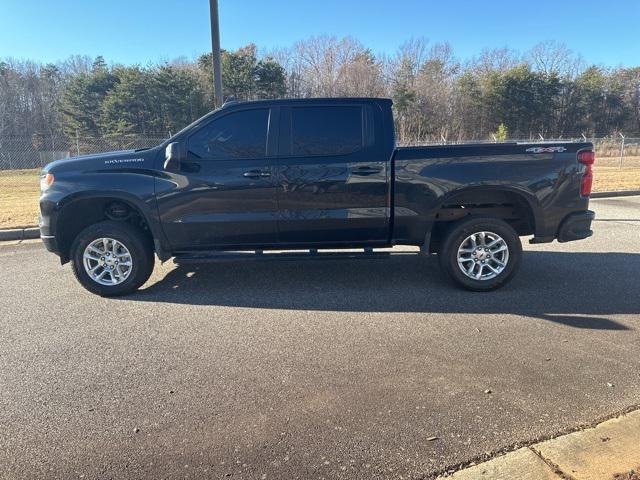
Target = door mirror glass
(173,156)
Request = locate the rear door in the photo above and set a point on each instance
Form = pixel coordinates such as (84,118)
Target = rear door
(224,194)
(332,175)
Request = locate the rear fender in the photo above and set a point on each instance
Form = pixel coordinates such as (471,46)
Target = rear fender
(483,194)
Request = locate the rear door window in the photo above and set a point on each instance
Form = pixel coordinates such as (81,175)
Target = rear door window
(330,130)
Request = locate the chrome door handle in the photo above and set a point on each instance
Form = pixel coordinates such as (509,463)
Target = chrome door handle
(366,170)
(256,174)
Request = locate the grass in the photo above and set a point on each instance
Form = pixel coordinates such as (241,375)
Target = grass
(627,162)
(19,194)
(611,179)
(20,190)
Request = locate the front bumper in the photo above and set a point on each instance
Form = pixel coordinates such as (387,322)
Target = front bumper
(576,226)
(49,240)
(50,243)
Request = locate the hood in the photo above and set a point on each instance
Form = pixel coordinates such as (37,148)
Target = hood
(101,161)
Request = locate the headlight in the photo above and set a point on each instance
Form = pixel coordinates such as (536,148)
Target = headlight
(46,181)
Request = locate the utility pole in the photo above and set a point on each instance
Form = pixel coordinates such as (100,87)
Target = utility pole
(215,53)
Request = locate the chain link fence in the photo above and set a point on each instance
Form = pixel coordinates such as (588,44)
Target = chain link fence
(19,153)
(618,152)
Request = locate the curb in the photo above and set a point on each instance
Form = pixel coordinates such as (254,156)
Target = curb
(20,233)
(624,193)
(610,449)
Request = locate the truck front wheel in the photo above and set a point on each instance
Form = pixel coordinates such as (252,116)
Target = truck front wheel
(481,253)
(111,258)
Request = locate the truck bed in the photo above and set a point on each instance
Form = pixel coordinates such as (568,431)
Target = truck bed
(539,179)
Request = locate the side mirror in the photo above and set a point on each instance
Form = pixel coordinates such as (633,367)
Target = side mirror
(173,155)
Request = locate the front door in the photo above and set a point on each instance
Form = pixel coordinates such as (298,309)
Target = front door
(224,194)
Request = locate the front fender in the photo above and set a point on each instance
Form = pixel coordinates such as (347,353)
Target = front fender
(134,188)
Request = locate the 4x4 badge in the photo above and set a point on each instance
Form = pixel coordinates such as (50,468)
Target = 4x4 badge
(546,149)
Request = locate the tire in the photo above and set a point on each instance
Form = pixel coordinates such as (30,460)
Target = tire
(485,259)
(131,247)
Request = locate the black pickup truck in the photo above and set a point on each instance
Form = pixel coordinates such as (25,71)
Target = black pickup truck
(309,174)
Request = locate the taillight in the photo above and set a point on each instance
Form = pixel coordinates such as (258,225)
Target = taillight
(587,183)
(587,158)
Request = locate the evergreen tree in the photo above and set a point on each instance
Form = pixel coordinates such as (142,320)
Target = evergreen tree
(270,79)
(502,133)
(238,73)
(130,107)
(82,99)
(177,94)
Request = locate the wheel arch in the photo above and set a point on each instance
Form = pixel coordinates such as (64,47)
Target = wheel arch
(490,194)
(81,210)
(518,207)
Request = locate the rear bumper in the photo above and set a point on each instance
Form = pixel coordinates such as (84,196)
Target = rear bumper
(576,226)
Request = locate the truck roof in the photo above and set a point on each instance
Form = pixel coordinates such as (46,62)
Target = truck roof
(315,100)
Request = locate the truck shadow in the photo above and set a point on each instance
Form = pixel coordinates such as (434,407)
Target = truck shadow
(573,289)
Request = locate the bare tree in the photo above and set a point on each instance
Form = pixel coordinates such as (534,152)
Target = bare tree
(361,77)
(77,64)
(495,60)
(551,57)
(435,87)
(320,62)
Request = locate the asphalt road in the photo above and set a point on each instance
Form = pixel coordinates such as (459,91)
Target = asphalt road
(314,369)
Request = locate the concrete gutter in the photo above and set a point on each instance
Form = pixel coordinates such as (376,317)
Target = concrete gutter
(20,233)
(623,193)
(607,451)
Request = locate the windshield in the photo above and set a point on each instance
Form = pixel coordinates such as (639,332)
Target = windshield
(192,124)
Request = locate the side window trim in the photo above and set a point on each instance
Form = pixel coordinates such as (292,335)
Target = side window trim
(273,131)
(226,114)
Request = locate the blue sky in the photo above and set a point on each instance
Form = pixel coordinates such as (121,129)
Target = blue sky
(143,31)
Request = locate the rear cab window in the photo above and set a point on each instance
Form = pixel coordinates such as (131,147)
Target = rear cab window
(326,130)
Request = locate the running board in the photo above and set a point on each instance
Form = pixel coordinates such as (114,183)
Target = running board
(260,255)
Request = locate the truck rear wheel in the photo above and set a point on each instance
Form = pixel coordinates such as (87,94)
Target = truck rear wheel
(481,253)
(111,258)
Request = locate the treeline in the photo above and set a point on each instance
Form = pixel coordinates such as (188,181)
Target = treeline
(501,93)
